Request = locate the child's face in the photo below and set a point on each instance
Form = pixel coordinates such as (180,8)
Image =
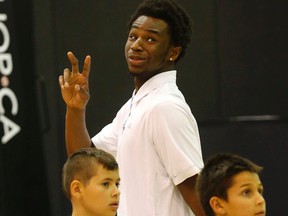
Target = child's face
(101,195)
(245,196)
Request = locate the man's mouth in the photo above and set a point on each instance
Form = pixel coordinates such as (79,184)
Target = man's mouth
(136,59)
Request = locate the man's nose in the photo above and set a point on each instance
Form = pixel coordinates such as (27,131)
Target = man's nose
(137,45)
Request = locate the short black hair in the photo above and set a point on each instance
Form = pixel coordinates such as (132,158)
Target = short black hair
(173,14)
(217,176)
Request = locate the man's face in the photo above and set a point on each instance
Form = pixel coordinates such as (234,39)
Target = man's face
(245,196)
(148,47)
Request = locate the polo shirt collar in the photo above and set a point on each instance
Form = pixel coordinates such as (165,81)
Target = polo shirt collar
(153,83)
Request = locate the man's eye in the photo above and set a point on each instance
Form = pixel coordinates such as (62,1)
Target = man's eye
(150,40)
(117,184)
(132,37)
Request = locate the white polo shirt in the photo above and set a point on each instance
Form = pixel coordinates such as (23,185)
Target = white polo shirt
(155,139)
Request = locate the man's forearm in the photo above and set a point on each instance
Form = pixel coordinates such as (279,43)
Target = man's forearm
(189,193)
(76,133)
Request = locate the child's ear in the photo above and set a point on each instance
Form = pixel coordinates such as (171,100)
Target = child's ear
(75,188)
(217,206)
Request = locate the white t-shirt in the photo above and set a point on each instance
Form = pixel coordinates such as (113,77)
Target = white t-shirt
(155,139)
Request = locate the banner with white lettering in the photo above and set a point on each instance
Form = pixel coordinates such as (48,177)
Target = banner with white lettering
(10,86)
(22,171)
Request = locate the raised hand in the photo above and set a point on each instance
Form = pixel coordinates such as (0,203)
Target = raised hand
(75,85)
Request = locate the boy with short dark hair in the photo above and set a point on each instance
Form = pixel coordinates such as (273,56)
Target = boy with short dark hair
(230,185)
(90,180)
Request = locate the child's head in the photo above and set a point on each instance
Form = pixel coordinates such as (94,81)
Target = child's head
(230,185)
(90,180)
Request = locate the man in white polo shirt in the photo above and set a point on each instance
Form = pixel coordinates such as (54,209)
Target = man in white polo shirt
(154,136)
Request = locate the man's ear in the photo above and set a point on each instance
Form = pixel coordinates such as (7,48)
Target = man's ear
(217,205)
(75,188)
(174,53)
